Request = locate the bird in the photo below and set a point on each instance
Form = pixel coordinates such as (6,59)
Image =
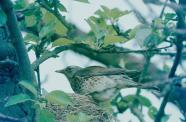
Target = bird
(99,82)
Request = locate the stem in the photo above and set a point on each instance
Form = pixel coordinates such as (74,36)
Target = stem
(56,14)
(37,53)
(136,111)
(145,69)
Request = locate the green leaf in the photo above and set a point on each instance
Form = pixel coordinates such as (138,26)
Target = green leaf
(59,97)
(47,16)
(165,118)
(59,28)
(20,4)
(81,117)
(166,68)
(130,98)
(29,87)
(62,41)
(17,99)
(111,39)
(98,32)
(152,40)
(152,112)
(122,106)
(61,7)
(31,39)
(84,1)
(30,20)
(170,16)
(32,9)
(131,33)
(112,14)
(100,13)
(158,23)
(144,101)
(116,13)
(3,17)
(106,11)
(47,30)
(44,116)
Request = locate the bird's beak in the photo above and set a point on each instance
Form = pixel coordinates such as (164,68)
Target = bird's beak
(60,71)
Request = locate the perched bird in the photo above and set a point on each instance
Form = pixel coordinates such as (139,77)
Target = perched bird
(99,82)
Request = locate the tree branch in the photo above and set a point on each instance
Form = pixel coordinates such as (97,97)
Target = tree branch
(58,50)
(18,42)
(179,48)
(134,51)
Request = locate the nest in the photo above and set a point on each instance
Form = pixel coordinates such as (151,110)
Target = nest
(81,104)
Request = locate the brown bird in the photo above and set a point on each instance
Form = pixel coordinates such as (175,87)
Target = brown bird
(99,82)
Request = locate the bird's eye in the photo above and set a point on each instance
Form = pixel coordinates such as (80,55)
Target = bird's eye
(69,69)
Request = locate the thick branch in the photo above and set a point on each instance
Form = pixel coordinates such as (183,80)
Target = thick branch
(18,42)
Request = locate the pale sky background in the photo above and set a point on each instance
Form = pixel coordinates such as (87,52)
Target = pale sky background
(77,12)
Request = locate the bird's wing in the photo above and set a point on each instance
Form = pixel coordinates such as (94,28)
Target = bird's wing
(97,84)
(99,71)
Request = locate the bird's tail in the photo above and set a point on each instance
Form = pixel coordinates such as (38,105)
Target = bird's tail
(144,86)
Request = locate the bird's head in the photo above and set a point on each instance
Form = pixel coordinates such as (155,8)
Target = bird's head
(69,71)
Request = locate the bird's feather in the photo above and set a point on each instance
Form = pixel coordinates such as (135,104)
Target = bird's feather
(99,71)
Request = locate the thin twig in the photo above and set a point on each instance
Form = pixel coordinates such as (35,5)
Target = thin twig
(37,54)
(135,51)
(163,10)
(142,75)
